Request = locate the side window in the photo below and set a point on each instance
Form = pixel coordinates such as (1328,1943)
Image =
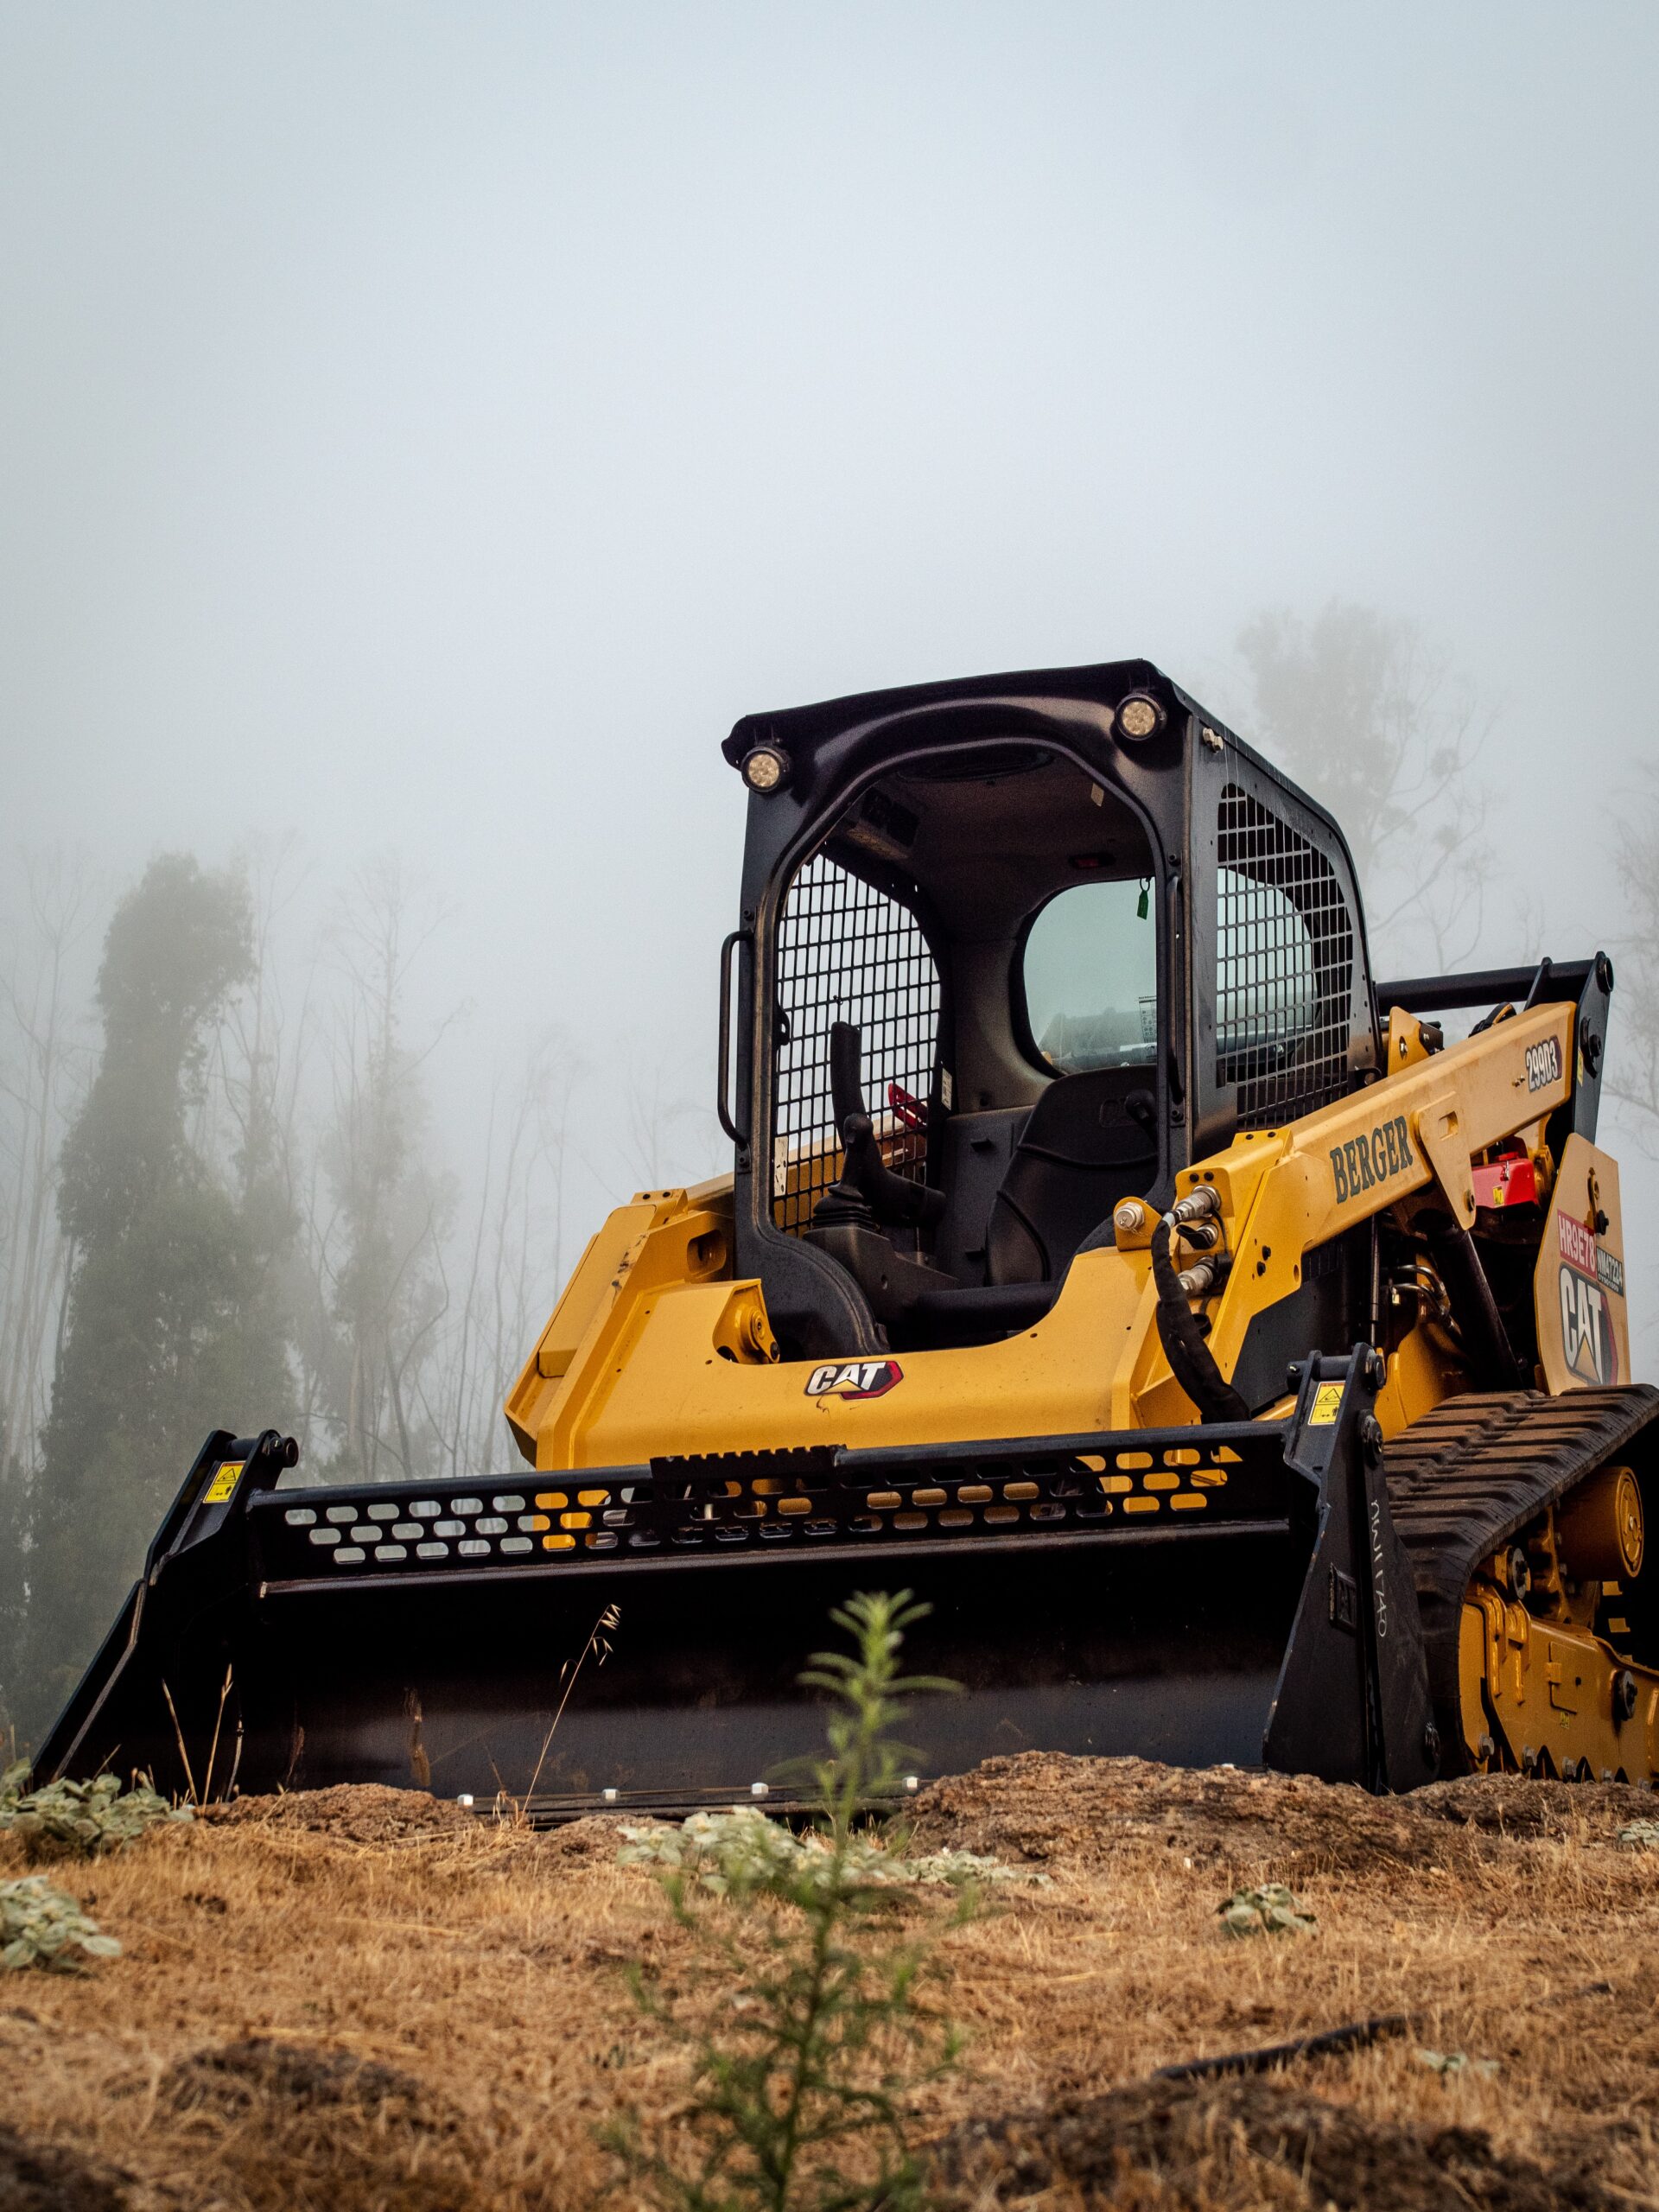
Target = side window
(1090,978)
(848,952)
(1284,967)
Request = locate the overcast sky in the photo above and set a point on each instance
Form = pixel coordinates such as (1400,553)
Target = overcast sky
(432,425)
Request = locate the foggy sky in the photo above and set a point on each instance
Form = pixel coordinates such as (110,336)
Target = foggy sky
(432,425)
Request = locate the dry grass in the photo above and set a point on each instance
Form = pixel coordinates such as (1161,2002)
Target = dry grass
(367,2001)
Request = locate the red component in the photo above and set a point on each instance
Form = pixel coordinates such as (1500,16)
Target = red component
(1512,1181)
(909,1111)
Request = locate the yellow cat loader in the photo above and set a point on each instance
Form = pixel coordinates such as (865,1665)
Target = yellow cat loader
(1240,1370)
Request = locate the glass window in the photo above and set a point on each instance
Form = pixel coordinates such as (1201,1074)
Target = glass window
(1091,977)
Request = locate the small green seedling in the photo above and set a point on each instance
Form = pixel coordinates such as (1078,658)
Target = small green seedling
(803,2087)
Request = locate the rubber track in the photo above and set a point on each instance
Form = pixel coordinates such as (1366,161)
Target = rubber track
(1472,1474)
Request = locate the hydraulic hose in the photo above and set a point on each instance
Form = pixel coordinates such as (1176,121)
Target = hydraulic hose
(1191,1360)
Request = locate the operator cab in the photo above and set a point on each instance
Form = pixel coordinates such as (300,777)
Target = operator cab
(964,975)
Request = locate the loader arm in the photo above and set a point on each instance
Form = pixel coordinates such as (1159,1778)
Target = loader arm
(1286,1192)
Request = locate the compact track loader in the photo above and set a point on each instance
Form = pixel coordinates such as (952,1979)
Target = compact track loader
(1241,1371)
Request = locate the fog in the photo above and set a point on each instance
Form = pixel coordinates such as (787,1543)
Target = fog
(428,428)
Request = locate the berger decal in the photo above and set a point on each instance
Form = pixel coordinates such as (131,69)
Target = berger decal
(1365,1161)
(854,1378)
(1580,1249)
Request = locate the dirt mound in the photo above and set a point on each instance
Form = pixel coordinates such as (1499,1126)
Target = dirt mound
(34,2178)
(235,2076)
(593,1841)
(1508,1804)
(1040,1806)
(1225,2146)
(298,2123)
(359,1813)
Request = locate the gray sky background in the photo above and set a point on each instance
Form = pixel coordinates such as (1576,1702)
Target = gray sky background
(432,425)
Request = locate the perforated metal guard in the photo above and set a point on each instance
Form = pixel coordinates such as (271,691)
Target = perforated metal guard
(1284,967)
(806,1499)
(848,952)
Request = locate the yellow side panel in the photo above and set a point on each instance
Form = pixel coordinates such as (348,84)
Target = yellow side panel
(596,1279)
(1584,1326)
(655,1381)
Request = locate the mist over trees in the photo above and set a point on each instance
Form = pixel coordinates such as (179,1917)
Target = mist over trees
(226,1206)
(1370,716)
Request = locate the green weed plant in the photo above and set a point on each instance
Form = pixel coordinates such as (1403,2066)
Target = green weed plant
(43,1927)
(79,1820)
(1270,1911)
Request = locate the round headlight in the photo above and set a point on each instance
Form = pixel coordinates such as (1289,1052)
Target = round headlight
(1139,717)
(766,768)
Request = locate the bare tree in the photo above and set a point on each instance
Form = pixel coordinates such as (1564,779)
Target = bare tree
(376,1246)
(513,1257)
(664,1134)
(1371,717)
(44,1067)
(44,1064)
(1633,1075)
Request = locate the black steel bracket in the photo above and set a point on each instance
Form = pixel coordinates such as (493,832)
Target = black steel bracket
(1353,1701)
(197,1557)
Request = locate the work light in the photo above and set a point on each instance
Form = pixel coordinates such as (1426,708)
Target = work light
(766,768)
(1138,717)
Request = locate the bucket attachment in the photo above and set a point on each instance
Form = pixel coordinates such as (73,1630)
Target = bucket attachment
(631,1636)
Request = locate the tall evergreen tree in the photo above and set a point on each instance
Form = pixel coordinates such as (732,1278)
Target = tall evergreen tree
(174,1324)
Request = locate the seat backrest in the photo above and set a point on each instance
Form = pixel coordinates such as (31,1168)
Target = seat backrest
(1080,1151)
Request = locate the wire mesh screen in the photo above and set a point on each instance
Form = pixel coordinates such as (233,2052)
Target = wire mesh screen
(1284,967)
(847,952)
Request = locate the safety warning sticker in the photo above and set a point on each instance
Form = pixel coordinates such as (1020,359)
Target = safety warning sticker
(224,1482)
(1327,1399)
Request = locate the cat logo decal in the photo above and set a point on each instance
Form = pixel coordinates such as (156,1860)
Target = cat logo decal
(854,1378)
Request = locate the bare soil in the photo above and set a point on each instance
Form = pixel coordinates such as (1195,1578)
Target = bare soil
(357,1998)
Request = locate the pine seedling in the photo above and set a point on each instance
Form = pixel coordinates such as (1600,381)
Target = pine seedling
(803,2084)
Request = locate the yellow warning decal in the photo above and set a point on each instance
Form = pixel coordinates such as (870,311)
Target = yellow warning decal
(223,1482)
(1327,1399)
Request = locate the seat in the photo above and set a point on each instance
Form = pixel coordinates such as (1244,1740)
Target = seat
(1091,1141)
